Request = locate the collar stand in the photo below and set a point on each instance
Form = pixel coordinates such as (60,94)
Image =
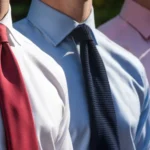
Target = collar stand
(52,23)
(137,16)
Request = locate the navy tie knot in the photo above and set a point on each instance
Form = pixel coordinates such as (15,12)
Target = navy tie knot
(82,33)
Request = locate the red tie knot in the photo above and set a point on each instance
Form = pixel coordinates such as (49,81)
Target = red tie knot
(3,33)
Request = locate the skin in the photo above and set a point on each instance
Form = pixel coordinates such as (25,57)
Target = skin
(79,10)
(4,6)
(144,3)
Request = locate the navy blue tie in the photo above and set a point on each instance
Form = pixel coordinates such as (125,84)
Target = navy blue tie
(104,134)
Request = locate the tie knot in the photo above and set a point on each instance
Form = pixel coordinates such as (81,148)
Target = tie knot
(3,33)
(82,33)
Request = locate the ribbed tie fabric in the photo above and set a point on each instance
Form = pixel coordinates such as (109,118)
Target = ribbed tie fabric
(14,103)
(104,135)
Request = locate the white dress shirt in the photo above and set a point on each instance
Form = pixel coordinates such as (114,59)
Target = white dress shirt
(49,30)
(47,89)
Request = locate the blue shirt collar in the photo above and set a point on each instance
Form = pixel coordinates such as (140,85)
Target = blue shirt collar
(54,24)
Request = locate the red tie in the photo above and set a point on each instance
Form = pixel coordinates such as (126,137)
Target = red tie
(14,102)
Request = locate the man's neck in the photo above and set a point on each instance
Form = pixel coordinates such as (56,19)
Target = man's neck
(79,10)
(144,3)
(4,6)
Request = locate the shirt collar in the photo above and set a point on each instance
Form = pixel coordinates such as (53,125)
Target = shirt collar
(7,21)
(52,23)
(137,16)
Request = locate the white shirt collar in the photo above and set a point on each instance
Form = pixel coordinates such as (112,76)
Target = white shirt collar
(7,21)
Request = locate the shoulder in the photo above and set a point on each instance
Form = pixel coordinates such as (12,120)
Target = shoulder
(23,41)
(127,67)
(21,23)
(27,29)
(112,27)
(24,26)
(130,64)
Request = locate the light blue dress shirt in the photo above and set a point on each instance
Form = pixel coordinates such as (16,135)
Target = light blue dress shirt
(49,30)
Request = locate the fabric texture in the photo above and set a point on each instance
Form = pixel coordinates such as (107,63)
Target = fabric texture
(104,132)
(130,29)
(46,88)
(14,102)
(48,29)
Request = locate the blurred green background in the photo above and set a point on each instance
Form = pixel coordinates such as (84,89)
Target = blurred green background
(104,9)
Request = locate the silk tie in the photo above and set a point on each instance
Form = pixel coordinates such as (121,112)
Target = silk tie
(104,134)
(14,103)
